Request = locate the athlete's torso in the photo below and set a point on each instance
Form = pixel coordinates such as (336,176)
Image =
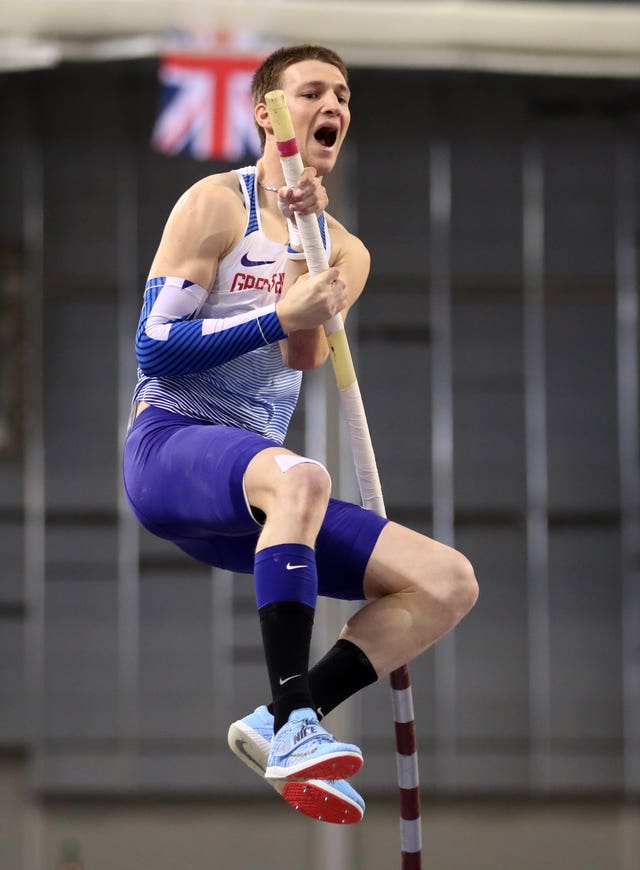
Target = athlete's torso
(254,391)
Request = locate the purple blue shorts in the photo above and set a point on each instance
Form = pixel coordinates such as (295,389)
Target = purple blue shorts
(183,479)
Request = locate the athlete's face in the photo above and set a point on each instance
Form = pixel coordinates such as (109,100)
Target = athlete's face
(318,100)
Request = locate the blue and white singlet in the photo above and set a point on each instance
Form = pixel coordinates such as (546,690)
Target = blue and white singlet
(253,390)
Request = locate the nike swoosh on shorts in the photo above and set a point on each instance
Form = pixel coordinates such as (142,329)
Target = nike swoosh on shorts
(249,263)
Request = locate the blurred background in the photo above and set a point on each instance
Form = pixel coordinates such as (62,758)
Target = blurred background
(493,171)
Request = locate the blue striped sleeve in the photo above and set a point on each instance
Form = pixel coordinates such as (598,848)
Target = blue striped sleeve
(171,340)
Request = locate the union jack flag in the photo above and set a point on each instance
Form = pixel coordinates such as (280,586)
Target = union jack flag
(206,107)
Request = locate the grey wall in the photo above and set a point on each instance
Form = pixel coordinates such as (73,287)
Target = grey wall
(122,662)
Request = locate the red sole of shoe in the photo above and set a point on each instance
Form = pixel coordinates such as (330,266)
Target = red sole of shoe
(318,804)
(336,768)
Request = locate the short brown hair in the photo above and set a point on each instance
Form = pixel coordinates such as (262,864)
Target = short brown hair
(267,76)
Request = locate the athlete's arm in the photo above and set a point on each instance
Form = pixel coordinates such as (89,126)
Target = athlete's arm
(171,340)
(308,349)
(205,224)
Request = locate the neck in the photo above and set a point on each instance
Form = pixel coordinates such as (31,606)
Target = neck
(269,172)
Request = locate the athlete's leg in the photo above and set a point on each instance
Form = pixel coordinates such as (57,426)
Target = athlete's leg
(188,482)
(418,590)
(184,478)
(293,494)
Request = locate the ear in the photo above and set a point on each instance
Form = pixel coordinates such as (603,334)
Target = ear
(261,114)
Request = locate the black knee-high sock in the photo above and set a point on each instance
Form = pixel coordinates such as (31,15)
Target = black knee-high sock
(342,672)
(286,636)
(286,583)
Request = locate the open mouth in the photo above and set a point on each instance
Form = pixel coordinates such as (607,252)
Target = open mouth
(326,136)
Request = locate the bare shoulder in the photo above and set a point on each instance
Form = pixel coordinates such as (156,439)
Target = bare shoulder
(205,223)
(215,198)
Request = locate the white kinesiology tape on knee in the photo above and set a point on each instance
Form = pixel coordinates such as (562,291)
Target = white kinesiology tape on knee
(285,461)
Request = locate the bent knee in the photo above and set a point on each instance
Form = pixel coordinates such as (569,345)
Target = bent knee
(305,487)
(462,587)
(309,478)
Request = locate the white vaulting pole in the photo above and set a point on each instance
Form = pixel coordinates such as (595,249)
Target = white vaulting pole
(368,480)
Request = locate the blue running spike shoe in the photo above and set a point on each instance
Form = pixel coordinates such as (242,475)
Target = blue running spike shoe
(302,750)
(327,801)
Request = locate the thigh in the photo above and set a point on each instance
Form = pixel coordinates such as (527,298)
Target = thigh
(403,559)
(185,479)
(221,551)
(348,537)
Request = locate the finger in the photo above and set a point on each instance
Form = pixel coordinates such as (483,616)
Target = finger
(286,195)
(308,174)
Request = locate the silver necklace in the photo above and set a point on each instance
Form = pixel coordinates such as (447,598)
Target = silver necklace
(265,187)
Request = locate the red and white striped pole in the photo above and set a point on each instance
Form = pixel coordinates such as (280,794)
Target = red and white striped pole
(408,772)
(368,481)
